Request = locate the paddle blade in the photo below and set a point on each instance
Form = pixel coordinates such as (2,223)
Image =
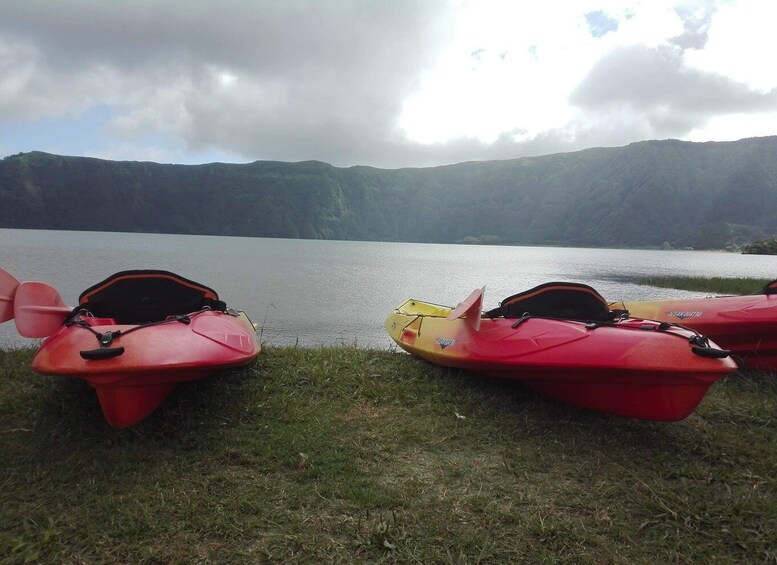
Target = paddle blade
(39,310)
(8,285)
(470,309)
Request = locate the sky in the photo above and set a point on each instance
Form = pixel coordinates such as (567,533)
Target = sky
(389,83)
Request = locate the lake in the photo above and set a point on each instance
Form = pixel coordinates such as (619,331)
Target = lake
(314,292)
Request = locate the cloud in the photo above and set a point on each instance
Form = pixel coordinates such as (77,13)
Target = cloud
(400,83)
(741,44)
(302,76)
(696,21)
(672,97)
(681,82)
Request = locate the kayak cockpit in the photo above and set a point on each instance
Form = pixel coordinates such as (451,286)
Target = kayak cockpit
(561,300)
(147,296)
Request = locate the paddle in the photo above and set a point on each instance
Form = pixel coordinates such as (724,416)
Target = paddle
(8,285)
(39,310)
(469,309)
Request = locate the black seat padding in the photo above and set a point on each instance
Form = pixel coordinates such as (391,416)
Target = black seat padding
(143,296)
(564,300)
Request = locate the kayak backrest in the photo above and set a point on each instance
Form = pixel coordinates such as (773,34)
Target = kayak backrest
(770,288)
(564,300)
(142,296)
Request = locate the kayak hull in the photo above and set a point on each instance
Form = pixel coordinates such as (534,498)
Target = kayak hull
(152,359)
(630,368)
(746,325)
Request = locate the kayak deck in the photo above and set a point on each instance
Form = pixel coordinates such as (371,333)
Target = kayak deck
(633,367)
(747,325)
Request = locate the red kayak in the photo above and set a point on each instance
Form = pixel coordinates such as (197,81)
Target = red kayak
(747,325)
(561,340)
(134,337)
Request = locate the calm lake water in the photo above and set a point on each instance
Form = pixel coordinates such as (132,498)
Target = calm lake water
(312,292)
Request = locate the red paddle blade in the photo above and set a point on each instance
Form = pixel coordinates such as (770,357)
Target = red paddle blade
(470,309)
(8,286)
(39,310)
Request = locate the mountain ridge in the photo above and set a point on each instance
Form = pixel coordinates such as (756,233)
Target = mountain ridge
(656,193)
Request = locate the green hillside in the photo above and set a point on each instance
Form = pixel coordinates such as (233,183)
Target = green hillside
(647,194)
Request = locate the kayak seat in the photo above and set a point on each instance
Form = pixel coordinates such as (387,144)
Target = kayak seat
(145,296)
(770,288)
(563,300)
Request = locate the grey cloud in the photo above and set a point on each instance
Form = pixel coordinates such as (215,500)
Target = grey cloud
(314,79)
(673,98)
(267,35)
(696,17)
(335,73)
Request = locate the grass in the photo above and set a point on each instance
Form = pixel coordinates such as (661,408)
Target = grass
(718,285)
(348,455)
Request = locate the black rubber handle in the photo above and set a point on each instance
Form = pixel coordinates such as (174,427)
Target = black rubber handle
(102,353)
(711,352)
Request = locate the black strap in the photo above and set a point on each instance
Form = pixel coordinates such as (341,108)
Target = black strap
(700,344)
(106,338)
(521,320)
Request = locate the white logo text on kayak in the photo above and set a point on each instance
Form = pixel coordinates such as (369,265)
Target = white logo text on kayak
(684,315)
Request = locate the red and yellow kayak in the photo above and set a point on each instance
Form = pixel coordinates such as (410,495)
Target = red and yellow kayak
(135,336)
(747,325)
(629,367)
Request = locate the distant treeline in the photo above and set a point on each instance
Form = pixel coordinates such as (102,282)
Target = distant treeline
(764,247)
(648,194)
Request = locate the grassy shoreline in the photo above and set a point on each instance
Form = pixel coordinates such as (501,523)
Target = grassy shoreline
(343,455)
(718,285)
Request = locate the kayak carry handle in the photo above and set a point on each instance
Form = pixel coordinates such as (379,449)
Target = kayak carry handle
(102,353)
(711,352)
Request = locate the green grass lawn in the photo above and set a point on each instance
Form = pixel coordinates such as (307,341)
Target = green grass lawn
(348,455)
